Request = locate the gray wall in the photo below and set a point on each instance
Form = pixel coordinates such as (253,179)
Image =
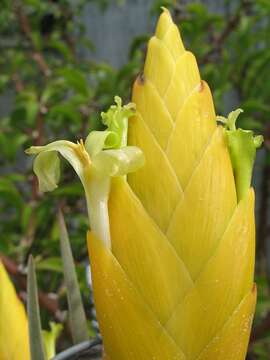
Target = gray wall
(113,30)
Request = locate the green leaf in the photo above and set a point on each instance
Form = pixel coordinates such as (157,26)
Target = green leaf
(50,264)
(37,39)
(35,335)
(26,215)
(4,79)
(34,3)
(73,189)
(61,47)
(65,111)
(254,104)
(75,79)
(9,191)
(26,108)
(10,142)
(78,322)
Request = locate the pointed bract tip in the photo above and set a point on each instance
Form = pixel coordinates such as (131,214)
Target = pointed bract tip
(140,80)
(165,10)
(164,23)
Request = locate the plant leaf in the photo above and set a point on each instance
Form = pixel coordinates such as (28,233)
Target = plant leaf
(35,335)
(50,264)
(78,322)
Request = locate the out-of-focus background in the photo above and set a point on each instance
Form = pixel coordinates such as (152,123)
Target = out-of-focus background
(61,63)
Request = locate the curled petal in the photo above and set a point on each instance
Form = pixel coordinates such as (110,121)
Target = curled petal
(119,162)
(47,169)
(115,136)
(96,141)
(47,164)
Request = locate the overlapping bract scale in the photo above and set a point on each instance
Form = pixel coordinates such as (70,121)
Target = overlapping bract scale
(225,279)
(178,282)
(129,327)
(147,258)
(14,344)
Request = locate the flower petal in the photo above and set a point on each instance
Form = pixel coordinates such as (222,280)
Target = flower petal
(47,164)
(119,162)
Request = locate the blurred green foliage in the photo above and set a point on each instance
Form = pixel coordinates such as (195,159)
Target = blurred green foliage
(57,92)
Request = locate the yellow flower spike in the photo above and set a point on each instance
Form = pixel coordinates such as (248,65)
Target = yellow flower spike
(14,343)
(178,280)
(172,245)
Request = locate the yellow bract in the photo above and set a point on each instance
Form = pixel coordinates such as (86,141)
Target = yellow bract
(14,343)
(178,282)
